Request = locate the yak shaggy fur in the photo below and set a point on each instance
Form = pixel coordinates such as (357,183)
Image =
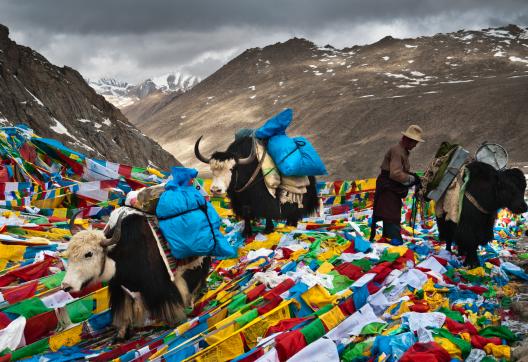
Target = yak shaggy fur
(139,285)
(493,190)
(255,202)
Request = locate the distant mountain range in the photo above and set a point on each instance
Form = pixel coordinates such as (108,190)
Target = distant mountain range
(122,94)
(58,103)
(465,87)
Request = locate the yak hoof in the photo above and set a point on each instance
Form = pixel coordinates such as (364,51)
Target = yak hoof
(124,334)
(129,333)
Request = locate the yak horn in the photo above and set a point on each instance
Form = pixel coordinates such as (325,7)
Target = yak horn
(197,151)
(115,236)
(249,159)
(72,220)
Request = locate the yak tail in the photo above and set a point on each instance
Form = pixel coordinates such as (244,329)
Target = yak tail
(311,199)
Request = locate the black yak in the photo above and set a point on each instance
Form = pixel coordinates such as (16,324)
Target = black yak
(126,255)
(232,174)
(487,191)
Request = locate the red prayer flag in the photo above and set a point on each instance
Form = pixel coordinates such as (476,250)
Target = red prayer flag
(426,352)
(20,293)
(284,325)
(289,343)
(40,326)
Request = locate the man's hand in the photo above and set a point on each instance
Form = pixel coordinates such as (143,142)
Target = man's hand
(415,180)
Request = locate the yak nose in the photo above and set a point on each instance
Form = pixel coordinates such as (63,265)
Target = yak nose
(216,190)
(66,287)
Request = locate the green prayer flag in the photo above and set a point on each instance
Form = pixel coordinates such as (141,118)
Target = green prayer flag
(465,346)
(247,317)
(31,350)
(364,264)
(28,308)
(54,280)
(313,331)
(390,257)
(453,314)
(488,359)
(323,310)
(355,350)
(238,301)
(80,310)
(498,331)
(340,282)
(373,328)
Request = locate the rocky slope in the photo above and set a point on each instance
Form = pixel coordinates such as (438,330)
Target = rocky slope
(58,103)
(352,103)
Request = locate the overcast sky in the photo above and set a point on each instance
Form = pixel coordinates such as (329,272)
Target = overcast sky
(136,39)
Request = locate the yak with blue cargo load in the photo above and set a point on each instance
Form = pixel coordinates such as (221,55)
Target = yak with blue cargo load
(127,256)
(237,172)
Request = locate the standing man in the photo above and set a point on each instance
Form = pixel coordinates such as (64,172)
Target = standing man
(393,184)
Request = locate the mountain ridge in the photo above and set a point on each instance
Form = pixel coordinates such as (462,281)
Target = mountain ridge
(465,87)
(57,103)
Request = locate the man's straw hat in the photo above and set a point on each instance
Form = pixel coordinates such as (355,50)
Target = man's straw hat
(414,132)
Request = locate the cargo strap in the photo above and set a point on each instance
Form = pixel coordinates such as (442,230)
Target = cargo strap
(255,173)
(298,145)
(475,203)
(171,263)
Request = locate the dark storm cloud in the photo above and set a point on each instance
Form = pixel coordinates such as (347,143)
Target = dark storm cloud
(134,39)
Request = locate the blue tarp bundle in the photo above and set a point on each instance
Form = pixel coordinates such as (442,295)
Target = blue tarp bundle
(293,156)
(188,222)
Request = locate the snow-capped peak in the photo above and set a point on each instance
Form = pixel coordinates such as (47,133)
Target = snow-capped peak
(122,94)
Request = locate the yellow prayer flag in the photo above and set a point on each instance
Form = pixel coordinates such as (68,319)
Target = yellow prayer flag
(224,351)
(450,347)
(478,271)
(498,352)
(102,300)
(227,263)
(159,353)
(61,212)
(3,264)
(228,320)
(325,268)
(69,337)
(223,295)
(217,318)
(332,318)
(220,334)
(155,172)
(182,328)
(317,297)
(259,327)
(12,252)
(397,249)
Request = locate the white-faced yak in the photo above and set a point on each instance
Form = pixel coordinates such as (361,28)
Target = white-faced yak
(127,256)
(235,173)
(487,191)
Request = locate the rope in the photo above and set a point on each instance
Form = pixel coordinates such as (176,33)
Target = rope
(298,144)
(475,203)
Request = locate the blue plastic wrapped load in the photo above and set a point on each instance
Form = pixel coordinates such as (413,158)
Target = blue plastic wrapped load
(188,222)
(276,125)
(295,156)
